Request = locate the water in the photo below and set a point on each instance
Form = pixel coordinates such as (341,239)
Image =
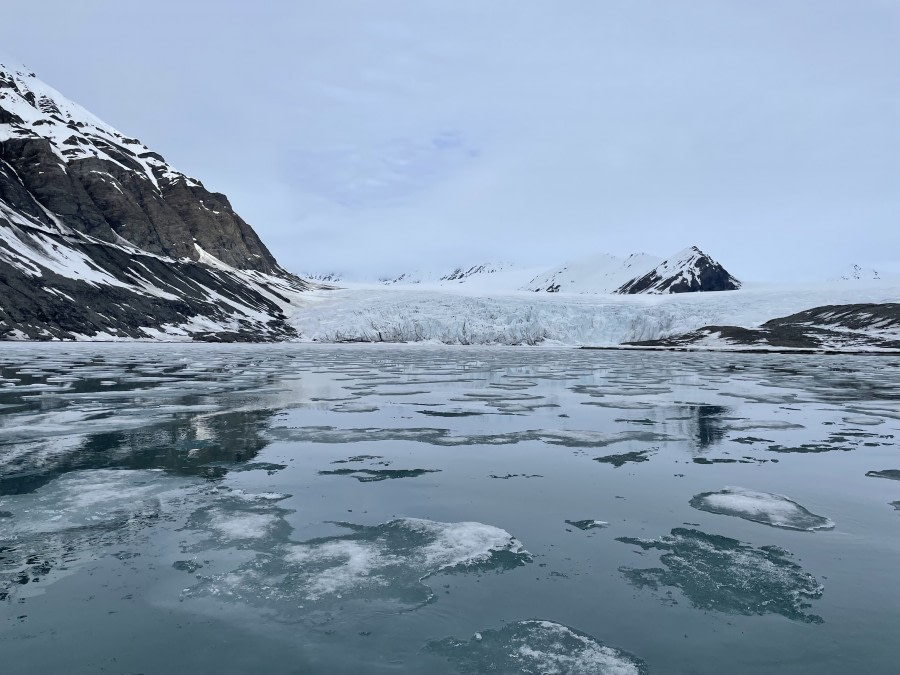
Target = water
(348,509)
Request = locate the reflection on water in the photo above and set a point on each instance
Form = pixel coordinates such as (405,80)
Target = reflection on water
(207,488)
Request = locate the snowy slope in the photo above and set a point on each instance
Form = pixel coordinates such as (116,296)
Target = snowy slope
(73,132)
(601,273)
(861,327)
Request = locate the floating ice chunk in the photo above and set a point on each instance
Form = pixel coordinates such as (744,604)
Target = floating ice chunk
(87,499)
(726,575)
(49,533)
(760,507)
(260,496)
(536,647)
(341,565)
(385,563)
(231,525)
(355,407)
(240,519)
(864,420)
(443,437)
(455,544)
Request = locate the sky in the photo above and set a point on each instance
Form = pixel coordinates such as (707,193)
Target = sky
(378,137)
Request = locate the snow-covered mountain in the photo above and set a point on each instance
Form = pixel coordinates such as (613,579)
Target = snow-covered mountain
(101,237)
(492,276)
(688,271)
(601,273)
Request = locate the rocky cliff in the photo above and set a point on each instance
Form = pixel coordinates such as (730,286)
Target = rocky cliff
(101,237)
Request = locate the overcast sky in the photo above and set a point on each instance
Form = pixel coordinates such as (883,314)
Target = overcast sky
(397,134)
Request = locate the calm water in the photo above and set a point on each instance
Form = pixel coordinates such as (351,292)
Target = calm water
(323,509)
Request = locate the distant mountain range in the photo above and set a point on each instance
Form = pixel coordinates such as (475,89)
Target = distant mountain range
(689,270)
(101,238)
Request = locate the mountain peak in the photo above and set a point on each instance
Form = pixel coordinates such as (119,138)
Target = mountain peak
(107,185)
(688,271)
(101,238)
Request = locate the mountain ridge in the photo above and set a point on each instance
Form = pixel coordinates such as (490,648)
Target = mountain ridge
(689,270)
(101,238)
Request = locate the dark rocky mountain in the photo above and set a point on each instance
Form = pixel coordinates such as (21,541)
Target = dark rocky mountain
(858,327)
(689,271)
(101,238)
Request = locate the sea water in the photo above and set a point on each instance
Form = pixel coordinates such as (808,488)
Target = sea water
(410,509)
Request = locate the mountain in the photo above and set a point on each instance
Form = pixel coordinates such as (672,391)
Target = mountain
(602,273)
(101,238)
(487,277)
(854,327)
(688,271)
(462,274)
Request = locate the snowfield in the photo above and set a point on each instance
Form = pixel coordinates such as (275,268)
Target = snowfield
(472,316)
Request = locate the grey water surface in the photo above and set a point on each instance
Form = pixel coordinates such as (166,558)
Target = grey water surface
(411,509)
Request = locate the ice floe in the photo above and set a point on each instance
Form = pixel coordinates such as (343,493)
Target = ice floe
(385,563)
(760,507)
(443,437)
(726,575)
(536,647)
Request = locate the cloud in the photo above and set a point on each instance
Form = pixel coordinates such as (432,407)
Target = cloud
(409,132)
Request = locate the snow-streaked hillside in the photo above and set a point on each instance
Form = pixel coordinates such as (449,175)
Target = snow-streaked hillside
(601,273)
(459,316)
(100,238)
(69,285)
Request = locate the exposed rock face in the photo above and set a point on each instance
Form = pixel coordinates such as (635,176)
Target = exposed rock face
(101,183)
(99,236)
(689,271)
(865,327)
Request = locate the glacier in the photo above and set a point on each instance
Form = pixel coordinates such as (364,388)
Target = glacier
(471,316)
